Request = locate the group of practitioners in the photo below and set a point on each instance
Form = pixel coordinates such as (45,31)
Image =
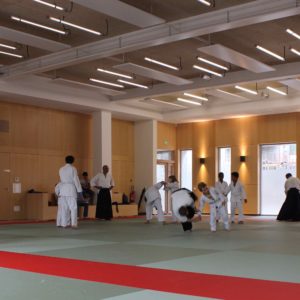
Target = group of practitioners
(72,192)
(183,202)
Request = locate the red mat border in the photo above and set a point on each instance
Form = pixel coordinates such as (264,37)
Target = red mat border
(179,282)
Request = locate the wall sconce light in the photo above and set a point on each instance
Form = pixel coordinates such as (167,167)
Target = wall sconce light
(242,158)
(202,160)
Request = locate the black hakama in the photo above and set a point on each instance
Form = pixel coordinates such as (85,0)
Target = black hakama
(104,207)
(187,226)
(290,210)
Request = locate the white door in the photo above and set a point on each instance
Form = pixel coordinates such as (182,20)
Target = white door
(161,176)
(186,169)
(275,162)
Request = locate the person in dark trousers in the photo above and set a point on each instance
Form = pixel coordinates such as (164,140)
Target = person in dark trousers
(104,183)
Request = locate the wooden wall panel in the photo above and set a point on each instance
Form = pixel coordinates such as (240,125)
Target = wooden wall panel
(166,136)
(36,144)
(123,155)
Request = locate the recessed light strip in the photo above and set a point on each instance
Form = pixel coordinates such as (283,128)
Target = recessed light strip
(293,33)
(107,83)
(11,54)
(38,25)
(295,51)
(245,90)
(8,46)
(270,52)
(276,91)
(168,103)
(212,63)
(189,101)
(207,70)
(133,84)
(195,96)
(49,4)
(161,63)
(114,73)
(230,94)
(74,25)
(205,2)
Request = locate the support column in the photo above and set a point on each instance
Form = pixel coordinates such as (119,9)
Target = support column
(145,148)
(102,140)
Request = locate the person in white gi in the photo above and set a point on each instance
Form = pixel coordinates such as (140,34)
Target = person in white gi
(291,183)
(172,186)
(183,202)
(222,187)
(216,201)
(68,191)
(104,183)
(237,197)
(153,199)
(61,209)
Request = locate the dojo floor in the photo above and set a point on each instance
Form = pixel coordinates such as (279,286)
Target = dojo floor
(261,249)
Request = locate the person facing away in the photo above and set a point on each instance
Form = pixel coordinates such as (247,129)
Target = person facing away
(172,185)
(290,210)
(222,187)
(183,205)
(237,197)
(153,199)
(216,201)
(291,182)
(86,187)
(68,191)
(104,183)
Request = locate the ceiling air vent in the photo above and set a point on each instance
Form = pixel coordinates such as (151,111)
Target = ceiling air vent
(4,126)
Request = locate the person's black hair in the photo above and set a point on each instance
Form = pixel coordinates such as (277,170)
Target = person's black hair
(173,178)
(190,212)
(235,174)
(85,174)
(183,211)
(288,175)
(69,159)
(220,174)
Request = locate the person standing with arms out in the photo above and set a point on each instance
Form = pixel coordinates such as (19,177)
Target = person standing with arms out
(237,197)
(104,183)
(222,187)
(68,191)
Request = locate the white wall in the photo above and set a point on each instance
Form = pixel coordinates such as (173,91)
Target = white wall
(145,147)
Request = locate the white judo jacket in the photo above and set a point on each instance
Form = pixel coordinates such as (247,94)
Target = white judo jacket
(70,184)
(152,193)
(181,198)
(172,186)
(237,192)
(216,199)
(222,187)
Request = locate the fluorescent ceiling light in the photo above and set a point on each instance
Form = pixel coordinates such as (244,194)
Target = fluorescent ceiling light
(276,91)
(212,63)
(188,101)
(195,96)
(293,33)
(133,84)
(245,90)
(205,2)
(8,46)
(11,54)
(207,70)
(107,83)
(161,63)
(49,4)
(230,94)
(295,51)
(74,25)
(37,25)
(270,52)
(114,73)
(168,103)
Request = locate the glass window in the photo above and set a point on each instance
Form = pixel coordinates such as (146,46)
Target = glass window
(186,169)
(164,155)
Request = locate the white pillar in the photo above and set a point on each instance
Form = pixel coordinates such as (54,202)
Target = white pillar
(102,140)
(145,148)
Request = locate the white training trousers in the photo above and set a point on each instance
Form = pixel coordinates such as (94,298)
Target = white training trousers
(239,206)
(149,210)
